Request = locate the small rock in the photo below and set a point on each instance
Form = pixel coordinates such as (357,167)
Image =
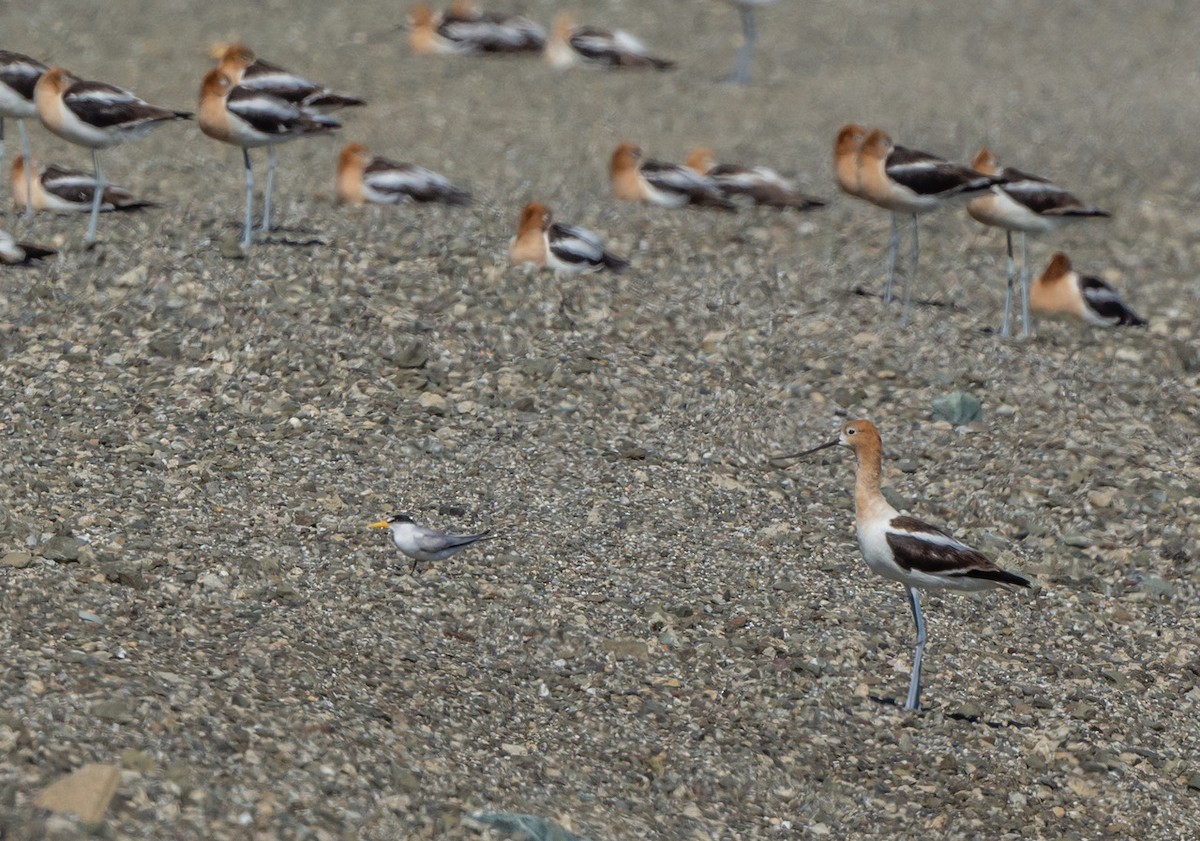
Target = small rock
(126,574)
(114,711)
(137,760)
(1155,585)
(213,581)
(412,355)
(1189,355)
(630,649)
(432,402)
(86,792)
(895,498)
(17,560)
(65,549)
(957,408)
(230,247)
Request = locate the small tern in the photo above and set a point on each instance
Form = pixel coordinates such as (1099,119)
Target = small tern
(425,544)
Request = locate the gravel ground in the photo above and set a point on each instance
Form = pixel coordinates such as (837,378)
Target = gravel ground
(669,638)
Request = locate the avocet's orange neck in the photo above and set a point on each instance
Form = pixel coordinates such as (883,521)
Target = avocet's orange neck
(352,164)
(235,59)
(863,437)
(867,479)
(701,159)
(845,157)
(1053,293)
(873,182)
(626,186)
(985,162)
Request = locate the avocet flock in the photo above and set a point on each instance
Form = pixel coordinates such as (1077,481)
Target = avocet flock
(249,103)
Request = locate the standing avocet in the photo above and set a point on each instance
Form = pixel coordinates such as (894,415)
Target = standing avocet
(906,549)
(247,118)
(246,70)
(1029,205)
(19,76)
(96,115)
(907,181)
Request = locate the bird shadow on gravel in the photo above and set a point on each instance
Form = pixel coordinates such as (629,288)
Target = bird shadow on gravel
(860,292)
(963,717)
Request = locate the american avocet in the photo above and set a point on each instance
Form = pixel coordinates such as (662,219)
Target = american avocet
(247,70)
(759,184)
(425,35)
(465,30)
(570,44)
(491,32)
(39,187)
(906,549)
(907,181)
(1029,205)
(362,179)
(19,75)
(635,178)
(248,118)
(1059,290)
(425,544)
(96,115)
(13,253)
(845,158)
(566,249)
(740,74)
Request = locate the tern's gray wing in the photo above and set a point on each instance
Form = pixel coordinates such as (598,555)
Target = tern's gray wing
(438,543)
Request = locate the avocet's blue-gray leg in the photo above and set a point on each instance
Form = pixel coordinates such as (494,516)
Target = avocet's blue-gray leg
(914,685)
(90,239)
(1024,287)
(893,250)
(1008,294)
(2,141)
(266,225)
(912,274)
(28,167)
(740,75)
(248,223)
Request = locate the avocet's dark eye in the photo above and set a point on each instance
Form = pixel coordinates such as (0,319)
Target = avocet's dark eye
(851,430)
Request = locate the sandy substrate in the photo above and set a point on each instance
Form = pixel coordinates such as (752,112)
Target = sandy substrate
(669,637)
